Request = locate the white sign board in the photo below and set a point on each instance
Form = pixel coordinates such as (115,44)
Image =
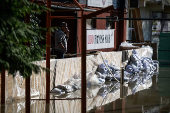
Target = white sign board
(99,3)
(100,39)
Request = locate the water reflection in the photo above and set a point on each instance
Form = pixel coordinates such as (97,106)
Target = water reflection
(111,91)
(145,94)
(47,109)
(142,97)
(97,96)
(2,108)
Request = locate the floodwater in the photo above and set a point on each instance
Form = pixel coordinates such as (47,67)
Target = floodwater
(153,96)
(154,99)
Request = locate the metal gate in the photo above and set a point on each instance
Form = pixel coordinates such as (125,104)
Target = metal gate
(164,49)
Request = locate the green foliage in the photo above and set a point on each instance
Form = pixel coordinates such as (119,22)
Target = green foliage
(14,33)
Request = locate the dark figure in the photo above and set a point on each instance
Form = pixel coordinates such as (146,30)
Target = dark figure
(61,37)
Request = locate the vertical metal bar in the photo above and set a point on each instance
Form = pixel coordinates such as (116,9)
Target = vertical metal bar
(121,91)
(83,63)
(48,46)
(124,105)
(47,108)
(3,86)
(27,95)
(122,75)
(27,80)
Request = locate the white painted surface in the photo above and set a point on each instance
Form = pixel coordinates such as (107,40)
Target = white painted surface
(99,3)
(100,39)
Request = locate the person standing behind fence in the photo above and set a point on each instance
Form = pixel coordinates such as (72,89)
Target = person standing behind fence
(61,37)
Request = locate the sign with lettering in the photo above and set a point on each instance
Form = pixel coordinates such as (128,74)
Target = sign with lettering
(99,3)
(100,39)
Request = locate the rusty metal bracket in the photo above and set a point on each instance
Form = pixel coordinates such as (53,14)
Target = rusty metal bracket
(75,1)
(93,14)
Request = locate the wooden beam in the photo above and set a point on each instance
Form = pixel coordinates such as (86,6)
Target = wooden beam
(135,25)
(139,23)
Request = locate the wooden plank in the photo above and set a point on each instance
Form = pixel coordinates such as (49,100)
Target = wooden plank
(135,25)
(139,24)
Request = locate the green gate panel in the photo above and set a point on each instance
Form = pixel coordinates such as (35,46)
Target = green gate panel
(164,48)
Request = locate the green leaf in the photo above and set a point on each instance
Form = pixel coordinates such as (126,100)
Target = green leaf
(14,54)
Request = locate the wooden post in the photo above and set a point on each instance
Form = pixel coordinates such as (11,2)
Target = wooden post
(138,25)
(140,30)
(83,63)
(48,53)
